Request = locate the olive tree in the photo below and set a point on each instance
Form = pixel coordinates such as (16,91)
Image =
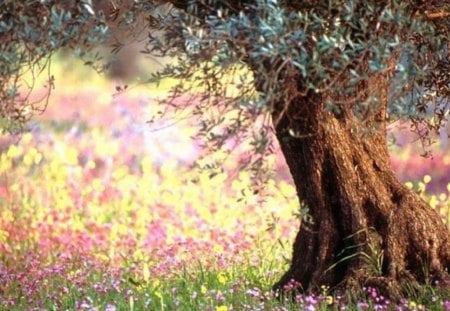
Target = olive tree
(323,76)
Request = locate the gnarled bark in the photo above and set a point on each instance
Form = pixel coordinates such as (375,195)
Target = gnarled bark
(368,228)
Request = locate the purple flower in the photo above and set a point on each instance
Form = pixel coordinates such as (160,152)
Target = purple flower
(311,300)
(116,285)
(219,296)
(310,308)
(299,298)
(84,305)
(253,292)
(446,305)
(110,307)
(363,305)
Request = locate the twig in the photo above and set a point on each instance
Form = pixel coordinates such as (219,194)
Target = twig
(436,15)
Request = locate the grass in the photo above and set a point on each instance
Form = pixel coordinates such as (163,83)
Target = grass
(241,287)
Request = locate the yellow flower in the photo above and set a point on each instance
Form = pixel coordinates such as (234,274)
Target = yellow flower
(103,257)
(32,157)
(3,236)
(14,151)
(412,304)
(140,288)
(90,164)
(222,308)
(421,187)
(329,300)
(218,248)
(203,289)
(286,189)
(222,278)
(156,283)
(433,201)
(70,156)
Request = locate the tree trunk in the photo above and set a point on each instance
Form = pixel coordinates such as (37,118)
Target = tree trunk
(367,227)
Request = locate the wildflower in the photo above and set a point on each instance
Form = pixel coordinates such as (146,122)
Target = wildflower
(115,284)
(311,300)
(219,296)
(372,292)
(446,305)
(329,300)
(362,305)
(140,288)
(218,248)
(409,185)
(110,307)
(203,289)
(324,289)
(310,308)
(412,304)
(222,308)
(156,283)
(84,305)
(222,278)
(253,292)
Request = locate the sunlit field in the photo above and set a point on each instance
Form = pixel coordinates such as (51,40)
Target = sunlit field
(101,210)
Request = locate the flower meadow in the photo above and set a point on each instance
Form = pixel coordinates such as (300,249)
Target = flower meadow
(102,211)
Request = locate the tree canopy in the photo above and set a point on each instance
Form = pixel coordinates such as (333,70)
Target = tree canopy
(331,44)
